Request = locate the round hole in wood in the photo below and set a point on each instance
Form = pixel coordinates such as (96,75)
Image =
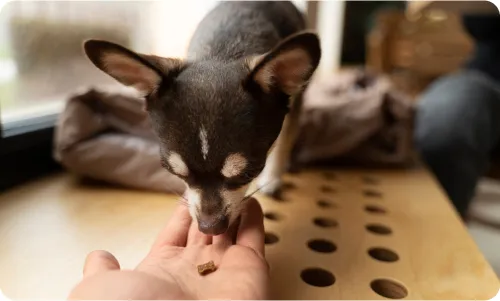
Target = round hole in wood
(389,289)
(317,277)
(277,196)
(375,209)
(328,175)
(288,186)
(273,216)
(325,204)
(372,193)
(383,254)
(327,188)
(378,229)
(324,222)
(270,238)
(322,246)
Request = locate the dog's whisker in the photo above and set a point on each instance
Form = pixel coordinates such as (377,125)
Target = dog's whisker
(183,203)
(183,200)
(241,208)
(247,197)
(181,196)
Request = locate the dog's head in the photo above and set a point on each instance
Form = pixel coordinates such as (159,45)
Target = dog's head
(216,120)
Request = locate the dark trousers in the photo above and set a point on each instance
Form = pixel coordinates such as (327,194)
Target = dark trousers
(457,128)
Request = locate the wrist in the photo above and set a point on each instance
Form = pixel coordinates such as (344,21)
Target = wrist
(123,285)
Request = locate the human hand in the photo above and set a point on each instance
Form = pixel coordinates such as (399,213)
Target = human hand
(169,271)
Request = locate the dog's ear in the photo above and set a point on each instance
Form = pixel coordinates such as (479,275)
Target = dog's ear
(143,72)
(289,66)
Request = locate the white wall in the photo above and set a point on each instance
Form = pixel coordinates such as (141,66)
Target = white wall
(330,28)
(178,20)
(171,24)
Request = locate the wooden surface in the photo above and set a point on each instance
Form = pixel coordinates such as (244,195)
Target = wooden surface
(48,227)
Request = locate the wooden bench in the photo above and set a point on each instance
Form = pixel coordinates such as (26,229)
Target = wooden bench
(342,234)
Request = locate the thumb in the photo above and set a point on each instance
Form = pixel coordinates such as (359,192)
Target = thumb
(98,262)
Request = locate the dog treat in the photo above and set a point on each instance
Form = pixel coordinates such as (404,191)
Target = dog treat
(206,268)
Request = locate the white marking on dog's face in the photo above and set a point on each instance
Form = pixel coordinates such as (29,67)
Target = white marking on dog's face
(204,142)
(233,201)
(194,199)
(234,165)
(177,164)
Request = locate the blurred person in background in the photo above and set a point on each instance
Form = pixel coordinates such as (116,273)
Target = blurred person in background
(458,116)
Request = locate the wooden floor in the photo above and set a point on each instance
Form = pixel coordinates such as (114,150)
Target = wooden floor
(343,235)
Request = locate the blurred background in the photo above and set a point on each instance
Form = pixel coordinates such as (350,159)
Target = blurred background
(42,62)
(41,55)
(42,65)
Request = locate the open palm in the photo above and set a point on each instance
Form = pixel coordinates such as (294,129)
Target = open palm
(242,272)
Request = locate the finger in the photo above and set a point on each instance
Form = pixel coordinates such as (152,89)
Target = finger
(175,232)
(195,237)
(228,238)
(98,262)
(251,231)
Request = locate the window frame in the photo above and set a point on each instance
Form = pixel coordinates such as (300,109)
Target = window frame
(26,150)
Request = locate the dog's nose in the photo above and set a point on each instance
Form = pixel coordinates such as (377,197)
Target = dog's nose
(213,224)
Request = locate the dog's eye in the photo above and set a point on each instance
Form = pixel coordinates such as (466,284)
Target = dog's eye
(235,183)
(165,165)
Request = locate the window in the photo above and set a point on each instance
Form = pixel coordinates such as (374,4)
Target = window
(41,58)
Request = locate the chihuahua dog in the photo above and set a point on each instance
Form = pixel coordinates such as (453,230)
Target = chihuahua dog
(227,113)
